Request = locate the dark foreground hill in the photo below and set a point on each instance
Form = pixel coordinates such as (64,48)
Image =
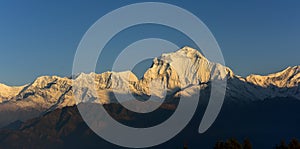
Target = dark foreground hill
(265,123)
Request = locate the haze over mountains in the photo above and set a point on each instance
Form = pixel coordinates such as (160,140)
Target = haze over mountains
(47,93)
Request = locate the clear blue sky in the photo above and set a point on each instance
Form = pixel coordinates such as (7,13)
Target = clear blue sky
(40,38)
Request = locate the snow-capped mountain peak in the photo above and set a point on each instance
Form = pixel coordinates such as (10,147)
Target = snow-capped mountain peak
(183,73)
(8,92)
(184,67)
(287,78)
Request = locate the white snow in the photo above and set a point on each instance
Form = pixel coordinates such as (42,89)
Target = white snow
(186,68)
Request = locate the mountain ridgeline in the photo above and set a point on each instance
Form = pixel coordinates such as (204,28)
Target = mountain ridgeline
(183,73)
(43,114)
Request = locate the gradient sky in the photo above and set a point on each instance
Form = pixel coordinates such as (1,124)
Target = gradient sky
(40,38)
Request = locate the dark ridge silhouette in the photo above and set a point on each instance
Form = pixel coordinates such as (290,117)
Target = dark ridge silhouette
(263,122)
(233,144)
(294,144)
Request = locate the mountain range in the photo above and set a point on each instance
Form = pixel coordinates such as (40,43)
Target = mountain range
(48,93)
